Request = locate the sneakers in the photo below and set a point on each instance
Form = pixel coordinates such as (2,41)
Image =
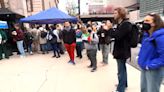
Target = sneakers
(90,66)
(69,61)
(31,53)
(94,69)
(81,57)
(58,57)
(21,56)
(72,62)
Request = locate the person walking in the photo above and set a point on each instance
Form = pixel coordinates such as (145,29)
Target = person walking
(69,38)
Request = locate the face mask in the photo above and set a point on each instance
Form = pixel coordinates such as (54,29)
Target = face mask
(89,31)
(146,27)
(67,28)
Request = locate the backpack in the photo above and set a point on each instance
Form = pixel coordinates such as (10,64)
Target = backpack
(54,38)
(134,36)
(43,34)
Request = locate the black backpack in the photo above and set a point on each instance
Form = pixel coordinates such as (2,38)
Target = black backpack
(43,34)
(134,36)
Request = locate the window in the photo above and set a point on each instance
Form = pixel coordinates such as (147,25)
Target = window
(2,4)
(29,5)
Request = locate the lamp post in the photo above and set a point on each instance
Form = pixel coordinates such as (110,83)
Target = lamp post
(79,7)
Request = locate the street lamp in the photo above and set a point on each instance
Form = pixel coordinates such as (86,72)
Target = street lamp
(79,7)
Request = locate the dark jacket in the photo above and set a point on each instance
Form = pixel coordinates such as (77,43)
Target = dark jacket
(122,49)
(4,36)
(28,38)
(104,37)
(19,36)
(151,54)
(69,37)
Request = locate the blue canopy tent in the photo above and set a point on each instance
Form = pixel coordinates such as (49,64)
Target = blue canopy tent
(3,25)
(50,16)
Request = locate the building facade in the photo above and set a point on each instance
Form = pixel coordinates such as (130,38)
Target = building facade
(107,6)
(151,6)
(28,7)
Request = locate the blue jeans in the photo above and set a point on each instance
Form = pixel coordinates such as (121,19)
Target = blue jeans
(29,47)
(122,75)
(79,49)
(20,47)
(151,80)
(44,47)
(55,48)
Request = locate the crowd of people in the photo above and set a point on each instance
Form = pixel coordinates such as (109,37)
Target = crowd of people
(70,37)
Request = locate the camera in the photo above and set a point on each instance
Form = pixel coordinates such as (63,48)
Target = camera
(139,25)
(143,26)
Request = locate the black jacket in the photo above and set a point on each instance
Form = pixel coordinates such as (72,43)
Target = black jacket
(69,37)
(104,37)
(122,49)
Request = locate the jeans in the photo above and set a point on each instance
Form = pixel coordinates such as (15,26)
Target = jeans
(79,49)
(55,48)
(60,46)
(122,75)
(44,47)
(92,57)
(151,80)
(20,47)
(105,52)
(29,47)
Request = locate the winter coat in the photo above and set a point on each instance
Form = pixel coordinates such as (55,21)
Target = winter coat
(151,54)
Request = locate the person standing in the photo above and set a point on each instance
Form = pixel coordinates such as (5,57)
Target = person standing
(60,43)
(91,46)
(52,39)
(79,41)
(122,49)
(18,37)
(3,49)
(104,41)
(29,40)
(151,55)
(35,34)
(69,38)
(43,40)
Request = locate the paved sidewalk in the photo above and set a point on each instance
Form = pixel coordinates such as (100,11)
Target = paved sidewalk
(41,73)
